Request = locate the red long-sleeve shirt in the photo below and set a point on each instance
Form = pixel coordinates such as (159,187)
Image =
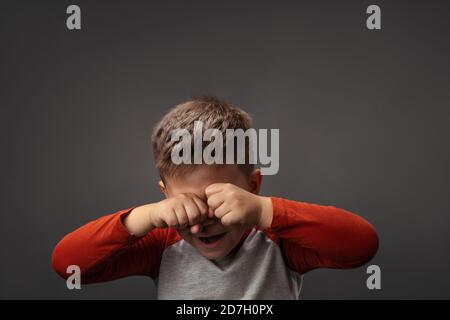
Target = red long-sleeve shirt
(302,237)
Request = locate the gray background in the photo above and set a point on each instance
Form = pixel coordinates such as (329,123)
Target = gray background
(363,119)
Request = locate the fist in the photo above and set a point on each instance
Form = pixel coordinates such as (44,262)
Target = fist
(180,211)
(236,206)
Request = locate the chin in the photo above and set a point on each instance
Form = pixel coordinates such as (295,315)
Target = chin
(213,255)
(217,254)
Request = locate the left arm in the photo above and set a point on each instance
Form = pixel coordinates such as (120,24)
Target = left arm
(312,236)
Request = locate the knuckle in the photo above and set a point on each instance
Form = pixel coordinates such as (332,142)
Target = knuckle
(183,220)
(176,202)
(172,223)
(226,222)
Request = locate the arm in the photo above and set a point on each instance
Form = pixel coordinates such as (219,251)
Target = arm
(313,236)
(105,250)
(129,242)
(310,236)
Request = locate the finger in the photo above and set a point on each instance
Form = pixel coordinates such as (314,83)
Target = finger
(215,201)
(214,188)
(182,217)
(171,220)
(203,207)
(196,229)
(192,211)
(229,219)
(210,213)
(222,210)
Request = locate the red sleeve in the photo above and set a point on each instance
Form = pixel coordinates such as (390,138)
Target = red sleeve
(313,236)
(104,250)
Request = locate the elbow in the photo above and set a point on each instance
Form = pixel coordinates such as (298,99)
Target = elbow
(367,244)
(373,243)
(361,246)
(59,262)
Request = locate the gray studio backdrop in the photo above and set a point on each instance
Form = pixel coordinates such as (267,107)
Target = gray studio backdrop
(363,118)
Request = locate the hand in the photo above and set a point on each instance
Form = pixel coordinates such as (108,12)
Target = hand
(236,206)
(180,211)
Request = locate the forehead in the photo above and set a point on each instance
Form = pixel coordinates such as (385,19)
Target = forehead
(196,181)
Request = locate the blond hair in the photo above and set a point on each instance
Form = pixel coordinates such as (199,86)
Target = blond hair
(212,112)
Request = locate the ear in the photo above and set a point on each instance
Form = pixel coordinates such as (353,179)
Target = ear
(255,181)
(162,187)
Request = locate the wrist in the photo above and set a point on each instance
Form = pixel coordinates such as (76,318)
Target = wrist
(151,212)
(266,213)
(139,221)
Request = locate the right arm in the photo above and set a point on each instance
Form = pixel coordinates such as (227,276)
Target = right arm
(129,242)
(105,250)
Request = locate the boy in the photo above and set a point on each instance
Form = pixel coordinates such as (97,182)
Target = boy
(214,236)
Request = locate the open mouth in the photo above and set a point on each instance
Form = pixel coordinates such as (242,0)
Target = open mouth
(211,239)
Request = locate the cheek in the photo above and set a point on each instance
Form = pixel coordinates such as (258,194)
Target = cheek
(236,233)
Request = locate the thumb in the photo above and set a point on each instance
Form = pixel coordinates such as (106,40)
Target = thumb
(196,228)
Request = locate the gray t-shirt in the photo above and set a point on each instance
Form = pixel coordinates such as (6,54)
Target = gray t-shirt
(256,271)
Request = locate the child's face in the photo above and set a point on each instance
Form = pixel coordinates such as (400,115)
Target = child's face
(195,183)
